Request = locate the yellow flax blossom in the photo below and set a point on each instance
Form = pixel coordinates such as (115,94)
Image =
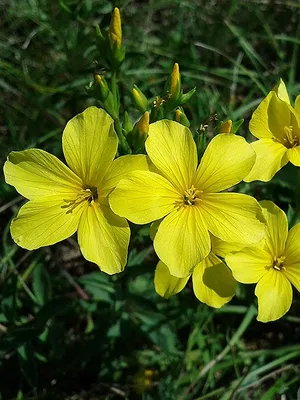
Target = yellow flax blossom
(213,282)
(277,126)
(274,264)
(186,196)
(63,200)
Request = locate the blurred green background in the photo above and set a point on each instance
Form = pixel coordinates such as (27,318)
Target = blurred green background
(68,331)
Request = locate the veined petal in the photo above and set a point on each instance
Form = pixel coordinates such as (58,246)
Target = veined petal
(281,91)
(90,144)
(144,197)
(226,161)
(172,150)
(293,155)
(104,237)
(232,217)
(279,116)
(270,157)
(249,265)
(292,273)
(213,282)
(120,168)
(45,222)
(277,228)
(292,248)
(274,293)
(259,126)
(221,248)
(36,173)
(297,104)
(182,240)
(167,285)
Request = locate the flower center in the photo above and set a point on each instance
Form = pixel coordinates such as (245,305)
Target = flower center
(89,194)
(190,197)
(289,139)
(278,263)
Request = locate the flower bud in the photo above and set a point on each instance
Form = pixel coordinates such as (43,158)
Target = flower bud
(142,126)
(101,87)
(115,29)
(226,127)
(139,99)
(175,82)
(127,125)
(181,117)
(116,52)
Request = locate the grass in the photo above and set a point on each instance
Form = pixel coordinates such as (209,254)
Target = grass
(71,332)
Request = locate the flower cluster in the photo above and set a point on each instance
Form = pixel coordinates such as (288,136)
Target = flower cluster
(201,227)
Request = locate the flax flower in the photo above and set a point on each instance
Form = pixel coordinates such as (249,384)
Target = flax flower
(186,196)
(65,199)
(274,264)
(213,283)
(277,126)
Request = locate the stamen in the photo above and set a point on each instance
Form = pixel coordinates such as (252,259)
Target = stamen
(289,140)
(278,263)
(88,194)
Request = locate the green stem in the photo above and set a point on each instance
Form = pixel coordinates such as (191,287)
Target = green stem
(123,142)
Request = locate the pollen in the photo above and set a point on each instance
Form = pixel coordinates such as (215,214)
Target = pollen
(88,195)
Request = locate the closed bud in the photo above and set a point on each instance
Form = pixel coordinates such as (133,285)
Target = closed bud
(181,117)
(115,29)
(226,127)
(127,125)
(101,87)
(175,82)
(142,126)
(139,99)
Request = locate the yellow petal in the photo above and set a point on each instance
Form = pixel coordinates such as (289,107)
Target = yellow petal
(292,248)
(165,284)
(274,293)
(293,155)
(182,240)
(270,157)
(297,104)
(259,126)
(277,228)
(213,282)
(36,173)
(144,197)
(292,273)
(42,223)
(172,150)
(281,91)
(104,237)
(279,116)
(221,248)
(90,144)
(249,265)
(232,217)
(121,168)
(226,161)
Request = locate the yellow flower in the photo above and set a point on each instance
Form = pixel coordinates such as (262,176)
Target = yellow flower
(277,126)
(274,265)
(213,283)
(187,197)
(65,199)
